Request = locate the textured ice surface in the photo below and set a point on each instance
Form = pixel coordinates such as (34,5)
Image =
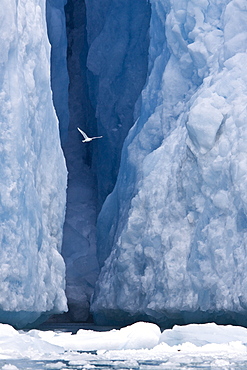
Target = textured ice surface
(117,61)
(136,336)
(56,28)
(33,173)
(173,232)
(118,69)
(139,346)
(79,239)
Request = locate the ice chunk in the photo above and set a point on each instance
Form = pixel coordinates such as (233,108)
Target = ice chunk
(235,28)
(200,335)
(136,336)
(203,124)
(16,344)
(192,345)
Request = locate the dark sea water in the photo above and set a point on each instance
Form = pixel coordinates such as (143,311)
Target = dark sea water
(74,327)
(61,364)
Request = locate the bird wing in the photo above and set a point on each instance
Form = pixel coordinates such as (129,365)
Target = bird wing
(83,133)
(97,137)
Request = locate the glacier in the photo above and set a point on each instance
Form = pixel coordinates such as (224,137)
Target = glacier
(56,30)
(156,212)
(33,176)
(117,62)
(172,235)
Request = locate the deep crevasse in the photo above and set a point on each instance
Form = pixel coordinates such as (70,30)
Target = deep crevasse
(33,173)
(174,228)
(79,242)
(56,29)
(112,88)
(118,40)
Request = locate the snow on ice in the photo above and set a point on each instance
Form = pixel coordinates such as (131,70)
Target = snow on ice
(133,347)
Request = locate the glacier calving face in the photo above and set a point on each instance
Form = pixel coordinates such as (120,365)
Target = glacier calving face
(33,173)
(173,232)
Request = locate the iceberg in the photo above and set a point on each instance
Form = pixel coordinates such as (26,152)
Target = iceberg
(172,235)
(33,173)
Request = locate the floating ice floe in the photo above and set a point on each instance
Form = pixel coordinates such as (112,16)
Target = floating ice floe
(129,347)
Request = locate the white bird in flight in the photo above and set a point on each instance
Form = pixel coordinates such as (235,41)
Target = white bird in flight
(86,138)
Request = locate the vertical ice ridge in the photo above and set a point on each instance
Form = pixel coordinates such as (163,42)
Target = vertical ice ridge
(33,172)
(79,242)
(117,63)
(56,28)
(174,249)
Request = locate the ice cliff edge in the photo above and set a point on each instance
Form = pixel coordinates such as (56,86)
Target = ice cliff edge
(33,173)
(173,232)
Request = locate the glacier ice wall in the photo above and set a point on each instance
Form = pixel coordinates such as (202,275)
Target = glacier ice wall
(173,232)
(33,172)
(117,33)
(56,28)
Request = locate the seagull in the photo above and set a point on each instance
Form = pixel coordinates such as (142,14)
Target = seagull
(86,138)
